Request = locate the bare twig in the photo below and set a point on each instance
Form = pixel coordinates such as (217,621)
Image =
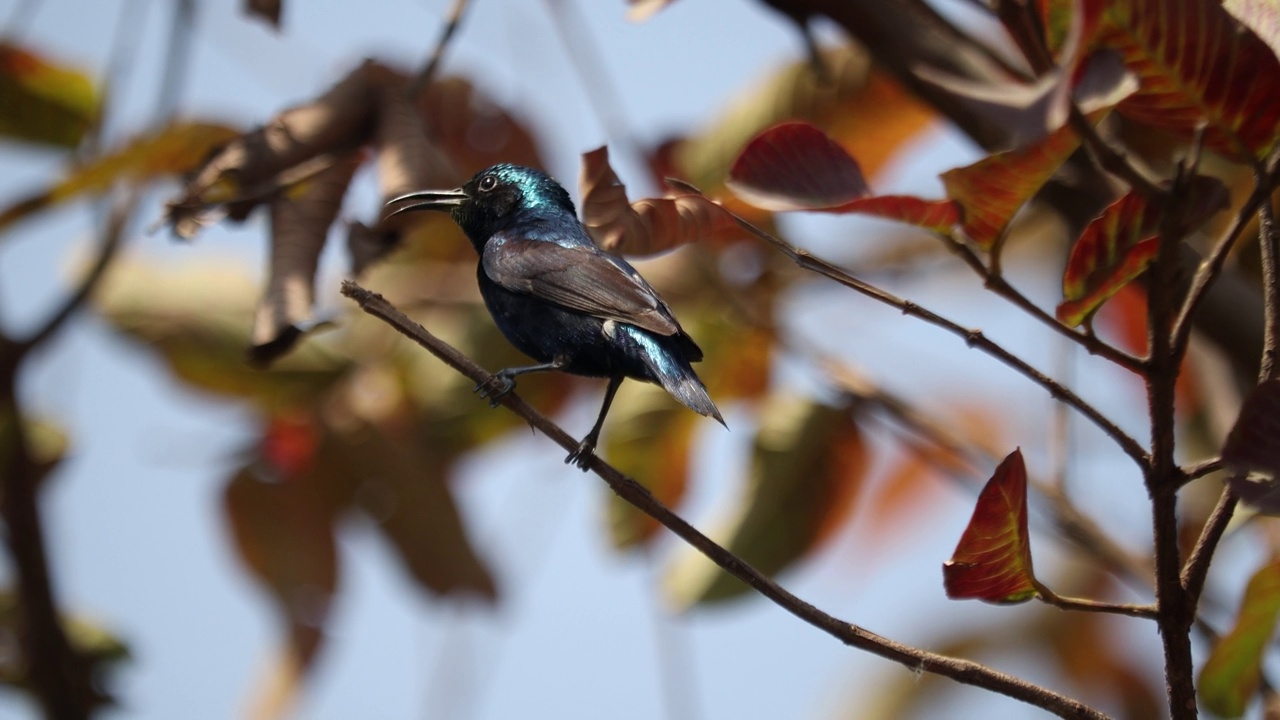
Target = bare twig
(973,337)
(1084,605)
(1210,268)
(1270,284)
(1202,468)
(1001,287)
(1197,567)
(963,671)
(429,69)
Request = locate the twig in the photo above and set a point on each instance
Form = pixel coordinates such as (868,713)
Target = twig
(973,337)
(1002,288)
(963,671)
(1069,603)
(1202,468)
(1112,160)
(1270,284)
(110,244)
(1197,567)
(1210,268)
(177,59)
(428,71)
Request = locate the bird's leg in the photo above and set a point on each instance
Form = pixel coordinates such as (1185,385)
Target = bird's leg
(582,456)
(502,381)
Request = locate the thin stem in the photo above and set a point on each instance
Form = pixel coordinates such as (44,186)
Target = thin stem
(1210,268)
(1202,468)
(429,69)
(1001,287)
(628,489)
(1114,161)
(1270,284)
(973,337)
(1084,605)
(1197,567)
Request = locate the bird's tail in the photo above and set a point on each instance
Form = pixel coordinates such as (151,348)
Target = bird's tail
(677,377)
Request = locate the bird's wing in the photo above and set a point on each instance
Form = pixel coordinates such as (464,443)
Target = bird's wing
(579,277)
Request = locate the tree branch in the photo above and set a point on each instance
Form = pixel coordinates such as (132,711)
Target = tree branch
(1197,567)
(429,69)
(963,671)
(972,337)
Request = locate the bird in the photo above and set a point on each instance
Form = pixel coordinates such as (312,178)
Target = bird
(560,299)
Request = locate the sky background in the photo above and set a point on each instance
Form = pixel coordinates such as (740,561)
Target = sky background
(137,541)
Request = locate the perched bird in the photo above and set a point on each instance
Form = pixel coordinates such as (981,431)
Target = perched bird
(560,299)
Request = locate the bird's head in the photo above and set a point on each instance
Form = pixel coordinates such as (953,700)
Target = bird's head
(491,200)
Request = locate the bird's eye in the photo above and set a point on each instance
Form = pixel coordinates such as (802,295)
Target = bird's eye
(487,183)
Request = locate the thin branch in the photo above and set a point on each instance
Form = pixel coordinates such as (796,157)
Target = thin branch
(1069,603)
(110,243)
(1210,268)
(177,60)
(1115,162)
(963,671)
(1001,287)
(973,337)
(428,71)
(1202,468)
(1197,567)
(1270,285)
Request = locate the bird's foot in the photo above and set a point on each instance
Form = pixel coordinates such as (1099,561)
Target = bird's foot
(583,454)
(495,387)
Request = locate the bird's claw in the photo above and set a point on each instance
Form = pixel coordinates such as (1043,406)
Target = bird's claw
(494,388)
(582,455)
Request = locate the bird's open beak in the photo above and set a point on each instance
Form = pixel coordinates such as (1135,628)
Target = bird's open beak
(443,200)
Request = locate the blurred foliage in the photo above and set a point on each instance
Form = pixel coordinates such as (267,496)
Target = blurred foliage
(355,421)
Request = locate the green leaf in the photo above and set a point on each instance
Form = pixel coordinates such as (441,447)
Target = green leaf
(807,468)
(1231,675)
(992,562)
(43,102)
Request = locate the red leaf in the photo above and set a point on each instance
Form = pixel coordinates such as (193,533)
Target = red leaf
(991,191)
(1119,244)
(795,166)
(1196,63)
(993,560)
(938,216)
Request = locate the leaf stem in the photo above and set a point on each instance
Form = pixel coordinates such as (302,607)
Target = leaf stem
(963,671)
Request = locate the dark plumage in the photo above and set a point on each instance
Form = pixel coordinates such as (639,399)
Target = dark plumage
(560,299)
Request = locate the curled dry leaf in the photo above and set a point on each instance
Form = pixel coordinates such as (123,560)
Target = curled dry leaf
(253,166)
(648,226)
(795,166)
(300,220)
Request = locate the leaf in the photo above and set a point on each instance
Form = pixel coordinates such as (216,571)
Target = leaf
(992,562)
(1251,454)
(43,102)
(649,439)
(172,150)
(1260,16)
(641,10)
(648,226)
(1231,675)
(254,166)
(939,216)
(197,319)
(991,191)
(807,467)
(795,166)
(1118,245)
(300,222)
(1196,64)
(404,491)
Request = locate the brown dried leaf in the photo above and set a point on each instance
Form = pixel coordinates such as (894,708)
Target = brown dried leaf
(645,227)
(300,221)
(268,10)
(250,168)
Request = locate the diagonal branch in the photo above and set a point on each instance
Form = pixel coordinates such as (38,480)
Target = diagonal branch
(963,671)
(972,337)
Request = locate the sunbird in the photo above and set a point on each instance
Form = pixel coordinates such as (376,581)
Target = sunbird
(559,298)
